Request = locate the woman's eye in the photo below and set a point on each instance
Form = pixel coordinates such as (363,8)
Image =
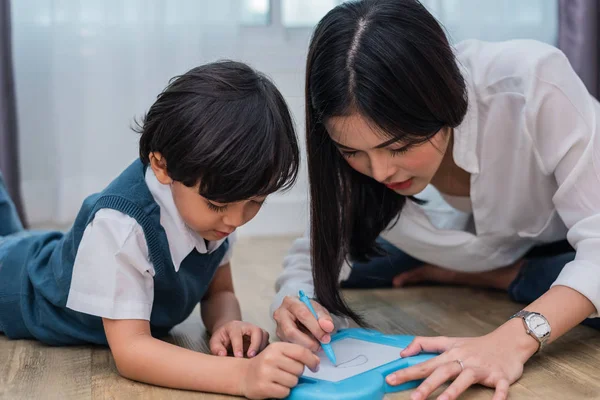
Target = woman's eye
(401,150)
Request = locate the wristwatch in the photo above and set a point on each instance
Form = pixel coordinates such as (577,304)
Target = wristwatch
(536,326)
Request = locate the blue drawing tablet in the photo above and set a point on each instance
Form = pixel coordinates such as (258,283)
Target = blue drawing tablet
(364,359)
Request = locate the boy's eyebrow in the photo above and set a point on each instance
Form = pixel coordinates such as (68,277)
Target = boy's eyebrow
(379,146)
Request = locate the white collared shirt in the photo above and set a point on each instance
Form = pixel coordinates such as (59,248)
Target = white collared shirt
(531,142)
(112,275)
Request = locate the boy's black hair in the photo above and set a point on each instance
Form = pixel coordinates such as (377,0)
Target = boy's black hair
(225,126)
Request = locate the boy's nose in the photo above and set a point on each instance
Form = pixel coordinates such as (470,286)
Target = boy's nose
(234,220)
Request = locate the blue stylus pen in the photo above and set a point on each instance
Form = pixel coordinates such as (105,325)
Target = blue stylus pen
(326,346)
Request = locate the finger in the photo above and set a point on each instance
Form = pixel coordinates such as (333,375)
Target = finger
(422,344)
(256,339)
(324,318)
(288,331)
(326,323)
(217,347)
(460,384)
(279,391)
(438,377)
(276,391)
(291,366)
(501,390)
(419,371)
(285,379)
(237,341)
(302,355)
(265,341)
(306,318)
(222,337)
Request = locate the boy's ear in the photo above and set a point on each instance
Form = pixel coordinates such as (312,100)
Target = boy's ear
(159,165)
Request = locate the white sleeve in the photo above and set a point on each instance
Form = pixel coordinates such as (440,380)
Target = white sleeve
(563,123)
(112,275)
(227,257)
(297,275)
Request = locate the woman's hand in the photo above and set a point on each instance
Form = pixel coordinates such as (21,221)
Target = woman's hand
(231,336)
(296,324)
(495,360)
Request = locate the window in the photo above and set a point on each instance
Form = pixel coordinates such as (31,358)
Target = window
(304,13)
(462,19)
(255,12)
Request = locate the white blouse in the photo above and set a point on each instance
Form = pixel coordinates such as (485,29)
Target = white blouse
(531,142)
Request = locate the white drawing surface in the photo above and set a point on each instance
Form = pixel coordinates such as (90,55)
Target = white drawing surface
(353,357)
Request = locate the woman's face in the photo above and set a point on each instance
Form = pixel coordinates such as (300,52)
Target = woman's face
(406,169)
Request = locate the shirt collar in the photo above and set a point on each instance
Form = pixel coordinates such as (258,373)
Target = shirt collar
(465,135)
(182,239)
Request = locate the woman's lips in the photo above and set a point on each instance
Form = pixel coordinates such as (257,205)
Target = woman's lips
(400,185)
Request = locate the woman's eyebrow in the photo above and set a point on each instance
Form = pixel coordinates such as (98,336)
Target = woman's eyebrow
(384,144)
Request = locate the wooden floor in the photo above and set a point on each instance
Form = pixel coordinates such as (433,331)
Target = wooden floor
(569,369)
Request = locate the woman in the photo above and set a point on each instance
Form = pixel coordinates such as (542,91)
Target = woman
(503,136)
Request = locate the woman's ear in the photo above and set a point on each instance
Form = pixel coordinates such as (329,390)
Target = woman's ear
(159,165)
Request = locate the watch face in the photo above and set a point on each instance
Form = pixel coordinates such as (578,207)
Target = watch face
(538,325)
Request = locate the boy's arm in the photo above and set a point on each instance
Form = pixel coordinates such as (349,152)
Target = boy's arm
(140,357)
(220,305)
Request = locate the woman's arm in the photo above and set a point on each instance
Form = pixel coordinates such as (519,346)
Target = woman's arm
(563,124)
(563,307)
(495,360)
(296,274)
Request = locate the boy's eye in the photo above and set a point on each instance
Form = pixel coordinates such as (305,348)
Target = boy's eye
(215,207)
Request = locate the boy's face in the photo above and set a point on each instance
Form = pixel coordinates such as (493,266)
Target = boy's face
(211,220)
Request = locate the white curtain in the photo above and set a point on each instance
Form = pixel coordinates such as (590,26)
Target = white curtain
(84,69)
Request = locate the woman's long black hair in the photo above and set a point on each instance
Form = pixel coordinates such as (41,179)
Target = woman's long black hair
(390,62)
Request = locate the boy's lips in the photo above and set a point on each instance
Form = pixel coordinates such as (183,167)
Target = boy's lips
(400,185)
(222,234)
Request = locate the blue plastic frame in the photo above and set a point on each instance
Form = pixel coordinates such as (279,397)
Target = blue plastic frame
(369,385)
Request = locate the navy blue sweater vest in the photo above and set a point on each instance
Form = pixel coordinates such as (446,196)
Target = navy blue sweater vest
(36,273)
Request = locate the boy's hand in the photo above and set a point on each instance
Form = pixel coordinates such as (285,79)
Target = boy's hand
(276,370)
(235,335)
